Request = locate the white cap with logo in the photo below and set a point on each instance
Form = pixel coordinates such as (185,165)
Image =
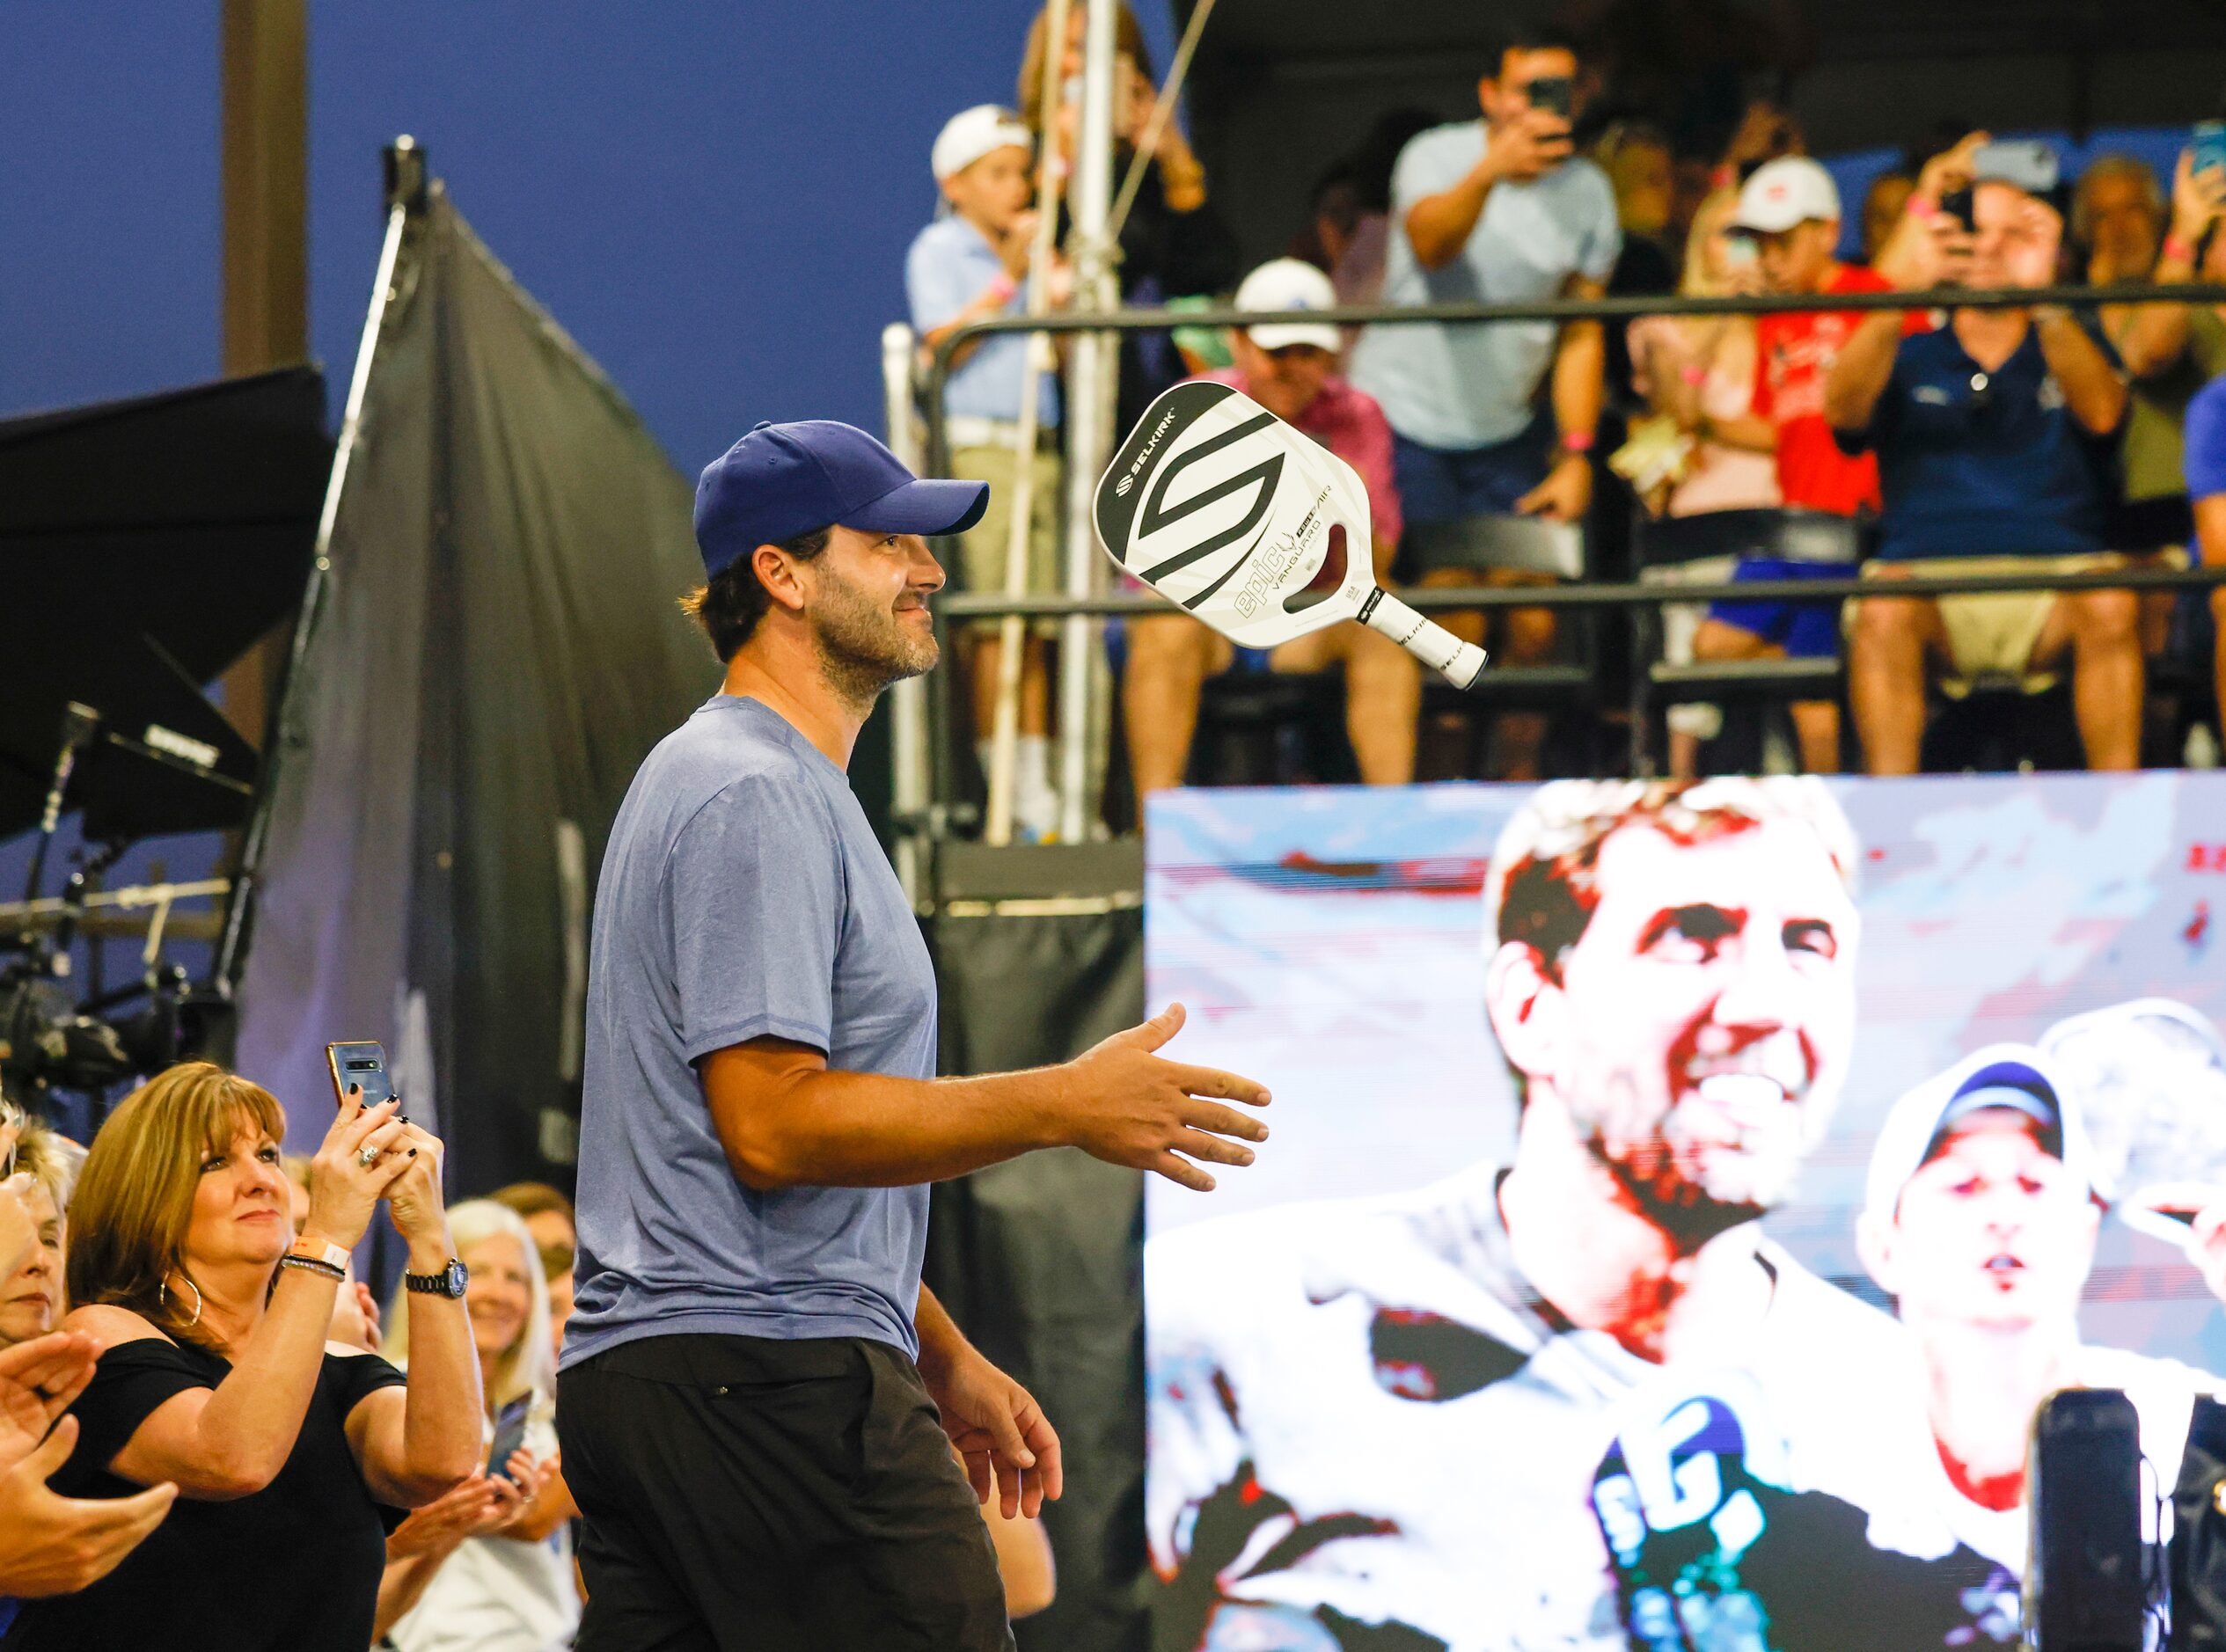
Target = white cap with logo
(973,133)
(1290,283)
(1790,190)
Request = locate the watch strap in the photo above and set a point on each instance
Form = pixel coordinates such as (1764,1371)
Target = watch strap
(442,1284)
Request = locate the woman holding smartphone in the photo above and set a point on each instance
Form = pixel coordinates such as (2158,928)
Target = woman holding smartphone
(214,1372)
(506,1584)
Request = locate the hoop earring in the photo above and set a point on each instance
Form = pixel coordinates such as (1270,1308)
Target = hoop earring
(162,1295)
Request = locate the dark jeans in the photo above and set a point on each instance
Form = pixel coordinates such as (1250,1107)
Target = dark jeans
(746,1495)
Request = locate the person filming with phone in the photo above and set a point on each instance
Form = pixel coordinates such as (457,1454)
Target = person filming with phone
(216,1376)
(1498,210)
(1995,441)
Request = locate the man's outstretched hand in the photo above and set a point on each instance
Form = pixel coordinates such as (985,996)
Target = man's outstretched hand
(1127,1105)
(1008,1445)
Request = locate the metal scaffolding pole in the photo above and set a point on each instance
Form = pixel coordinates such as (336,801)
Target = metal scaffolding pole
(911,774)
(1092,376)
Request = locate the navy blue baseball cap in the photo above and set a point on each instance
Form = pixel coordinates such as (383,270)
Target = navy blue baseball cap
(783,480)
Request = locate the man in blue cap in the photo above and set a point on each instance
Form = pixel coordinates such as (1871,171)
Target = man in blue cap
(753,1377)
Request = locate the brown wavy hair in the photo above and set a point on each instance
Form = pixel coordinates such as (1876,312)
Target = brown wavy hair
(135,1198)
(1128,38)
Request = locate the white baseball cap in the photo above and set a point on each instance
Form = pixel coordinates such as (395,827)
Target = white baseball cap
(1290,283)
(2014,1076)
(1790,190)
(973,133)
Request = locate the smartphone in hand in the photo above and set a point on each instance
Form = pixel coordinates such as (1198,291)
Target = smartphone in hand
(362,1063)
(1553,94)
(2210,146)
(510,1437)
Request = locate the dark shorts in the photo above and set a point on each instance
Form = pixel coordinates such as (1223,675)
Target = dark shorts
(1805,631)
(741,1493)
(1447,484)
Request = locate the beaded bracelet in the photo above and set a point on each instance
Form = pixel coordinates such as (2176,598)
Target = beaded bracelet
(314,1266)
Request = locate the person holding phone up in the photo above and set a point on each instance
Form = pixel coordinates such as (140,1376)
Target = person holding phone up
(1496,210)
(216,1376)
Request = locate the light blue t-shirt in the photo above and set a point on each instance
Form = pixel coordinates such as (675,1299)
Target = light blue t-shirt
(1472,385)
(743,896)
(949,264)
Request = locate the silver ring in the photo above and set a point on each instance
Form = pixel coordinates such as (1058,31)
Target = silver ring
(367,1157)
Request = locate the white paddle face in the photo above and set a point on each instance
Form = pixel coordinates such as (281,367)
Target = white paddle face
(1230,513)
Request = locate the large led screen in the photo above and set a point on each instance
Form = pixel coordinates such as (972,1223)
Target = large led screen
(1678,1201)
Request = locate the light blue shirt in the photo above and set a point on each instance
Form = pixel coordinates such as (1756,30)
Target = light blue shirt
(949,264)
(1473,385)
(743,896)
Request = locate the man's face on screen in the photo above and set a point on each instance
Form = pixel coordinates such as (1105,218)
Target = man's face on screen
(1708,1015)
(1993,1230)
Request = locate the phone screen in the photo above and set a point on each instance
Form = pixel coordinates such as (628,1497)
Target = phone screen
(2210,146)
(362,1063)
(1553,93)
(510,1434)
(1956,204)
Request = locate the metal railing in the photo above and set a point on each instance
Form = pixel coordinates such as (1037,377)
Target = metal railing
(923,720)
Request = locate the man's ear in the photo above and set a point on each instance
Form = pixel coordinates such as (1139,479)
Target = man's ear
(1488,96)
(777,573)
(1528,1009)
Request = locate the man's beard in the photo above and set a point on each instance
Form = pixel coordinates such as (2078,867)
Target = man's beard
(862,647)
(1668,1197)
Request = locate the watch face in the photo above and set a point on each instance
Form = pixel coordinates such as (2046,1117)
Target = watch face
(456,1278)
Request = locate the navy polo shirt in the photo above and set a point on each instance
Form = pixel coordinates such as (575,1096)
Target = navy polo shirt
(1979,464)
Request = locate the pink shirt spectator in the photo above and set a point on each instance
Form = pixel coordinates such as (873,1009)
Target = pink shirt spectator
(1726,478)
(1347,422)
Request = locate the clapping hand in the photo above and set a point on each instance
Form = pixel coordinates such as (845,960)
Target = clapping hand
(481,1505)
(51,1544)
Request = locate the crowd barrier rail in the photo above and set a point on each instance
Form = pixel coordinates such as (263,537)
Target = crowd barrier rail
(925,792)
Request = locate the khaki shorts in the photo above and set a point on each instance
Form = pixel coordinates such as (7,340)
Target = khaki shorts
(1993,635)
(982,548)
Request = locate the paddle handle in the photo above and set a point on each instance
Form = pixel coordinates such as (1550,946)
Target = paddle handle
(1460,663)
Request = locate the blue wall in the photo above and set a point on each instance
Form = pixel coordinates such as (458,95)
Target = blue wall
(714,198)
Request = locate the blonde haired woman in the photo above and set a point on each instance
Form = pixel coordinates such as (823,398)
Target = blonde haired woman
(214,1372)
(505,1582)
(31,1298)
(1697,372)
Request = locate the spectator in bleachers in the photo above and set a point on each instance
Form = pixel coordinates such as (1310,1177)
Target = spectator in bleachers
(2206,466)
(1689,368)
(1789,210)
(968,265)
(1291,370)
(1497,209)
(2119,222)
(1172,243)
(1993,436)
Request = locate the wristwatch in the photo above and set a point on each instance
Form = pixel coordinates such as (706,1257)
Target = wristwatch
(449,1282)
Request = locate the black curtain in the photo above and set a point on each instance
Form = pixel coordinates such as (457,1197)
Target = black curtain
(1040,1260)
(497,648)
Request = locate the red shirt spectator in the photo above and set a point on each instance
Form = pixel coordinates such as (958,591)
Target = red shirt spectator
(1794,356)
